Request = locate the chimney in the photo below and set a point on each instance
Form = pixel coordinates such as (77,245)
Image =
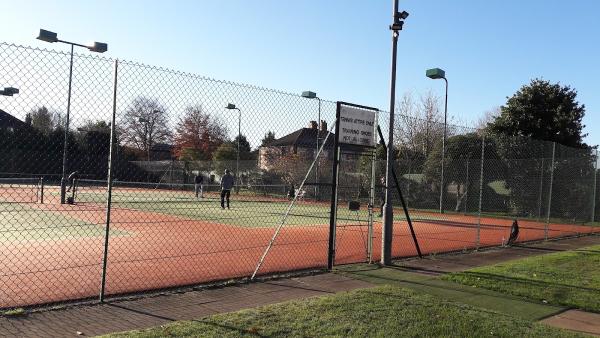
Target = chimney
(312,125)
(323,126)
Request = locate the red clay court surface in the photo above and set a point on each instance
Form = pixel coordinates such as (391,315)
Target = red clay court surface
(156,250)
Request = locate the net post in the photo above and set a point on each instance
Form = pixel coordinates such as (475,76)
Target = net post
(550,191)
(41,190)
(109,186)
(478,239)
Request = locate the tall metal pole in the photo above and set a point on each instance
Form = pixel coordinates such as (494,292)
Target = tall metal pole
(237,162)
(317,197)
(478,240)
(594,192)
(442,188)
(109,186)
(63,180)
(388,215)
(541,192)
(550,191)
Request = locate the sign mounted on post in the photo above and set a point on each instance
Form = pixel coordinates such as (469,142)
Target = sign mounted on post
(357,125)
(355,130)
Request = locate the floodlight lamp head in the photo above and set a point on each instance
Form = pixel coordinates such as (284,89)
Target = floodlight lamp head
(47,36)
(98,47)
(435,73)
(403,15)
(309,95)
(9,91)
(230,106)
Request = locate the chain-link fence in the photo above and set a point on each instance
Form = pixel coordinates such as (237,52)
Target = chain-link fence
(488,182)
(151,207)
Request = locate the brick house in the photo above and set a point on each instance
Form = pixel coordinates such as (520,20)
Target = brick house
(302,142)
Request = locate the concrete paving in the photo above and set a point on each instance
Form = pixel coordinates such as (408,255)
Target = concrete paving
(143,313)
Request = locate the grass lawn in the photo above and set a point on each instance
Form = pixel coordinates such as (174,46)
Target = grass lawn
(380,312)
(570,278)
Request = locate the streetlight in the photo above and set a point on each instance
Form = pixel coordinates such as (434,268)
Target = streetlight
(97,47)
(232,106)
(436,73)
(312,95)
(9,91)
(388,214)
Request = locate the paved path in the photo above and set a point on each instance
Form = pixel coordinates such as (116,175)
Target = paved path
(459,262)
(577,321)
(153,311)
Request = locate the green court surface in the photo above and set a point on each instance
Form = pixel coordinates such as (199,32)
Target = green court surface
(21,223)
(247,211)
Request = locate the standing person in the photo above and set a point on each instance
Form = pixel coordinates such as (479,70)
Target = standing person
(381,196)
(226,185)
(199,186)
(72,179)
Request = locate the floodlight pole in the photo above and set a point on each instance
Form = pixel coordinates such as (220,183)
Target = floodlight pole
(51,37)
(388,214)
(317,150)
(442,189)
(312,95)
(63,179)
(232,106)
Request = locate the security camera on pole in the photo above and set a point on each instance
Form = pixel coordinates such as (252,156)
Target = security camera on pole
(388,214)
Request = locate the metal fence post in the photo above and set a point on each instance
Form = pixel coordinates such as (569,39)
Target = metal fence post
(480,192)
(541,191)
(41,190)
(550,191)
(594,191)
(466,197)
(109,186)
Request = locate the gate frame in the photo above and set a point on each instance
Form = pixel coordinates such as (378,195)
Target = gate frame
(334,184)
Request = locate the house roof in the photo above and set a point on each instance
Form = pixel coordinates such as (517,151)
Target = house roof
(9,121)
(304,138)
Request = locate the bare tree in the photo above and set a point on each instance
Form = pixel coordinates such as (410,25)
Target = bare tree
(488,117)
(419,124)
(145,124)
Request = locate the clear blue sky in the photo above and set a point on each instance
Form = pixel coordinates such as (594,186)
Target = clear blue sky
(341,48)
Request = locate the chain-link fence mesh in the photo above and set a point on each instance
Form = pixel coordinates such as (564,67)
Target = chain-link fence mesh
(176,133)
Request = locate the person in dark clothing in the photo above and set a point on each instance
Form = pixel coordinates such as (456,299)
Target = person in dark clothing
(514,233)
(382,195)
(199,186)
(226,185)
(292,192)
(71,179)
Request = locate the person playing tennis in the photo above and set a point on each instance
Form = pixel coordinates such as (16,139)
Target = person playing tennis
(226,185)
(198,185)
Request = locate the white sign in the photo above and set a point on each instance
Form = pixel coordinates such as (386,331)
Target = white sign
(357,126)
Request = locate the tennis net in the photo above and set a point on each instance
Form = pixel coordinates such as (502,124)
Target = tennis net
(22,189)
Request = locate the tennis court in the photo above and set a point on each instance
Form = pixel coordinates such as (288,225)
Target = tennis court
(161,238)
